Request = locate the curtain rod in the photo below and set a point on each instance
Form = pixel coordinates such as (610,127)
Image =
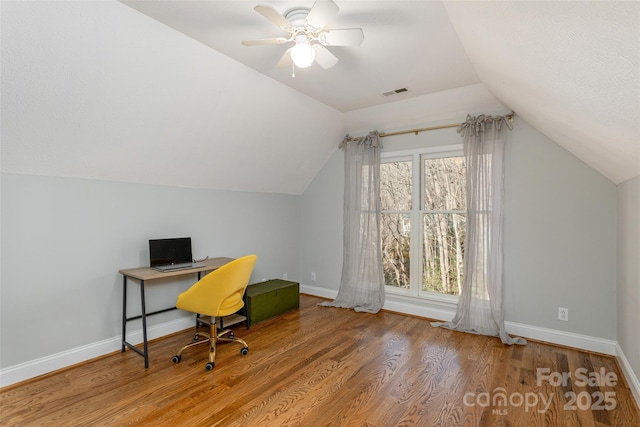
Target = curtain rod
(417,131)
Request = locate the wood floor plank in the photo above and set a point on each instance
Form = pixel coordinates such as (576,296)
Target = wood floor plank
(323,366)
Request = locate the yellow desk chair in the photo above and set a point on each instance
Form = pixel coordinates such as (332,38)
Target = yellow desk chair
(218,294)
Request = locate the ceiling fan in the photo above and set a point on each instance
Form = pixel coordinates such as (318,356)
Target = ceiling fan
(306,28)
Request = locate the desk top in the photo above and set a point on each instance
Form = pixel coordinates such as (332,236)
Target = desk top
(147,273)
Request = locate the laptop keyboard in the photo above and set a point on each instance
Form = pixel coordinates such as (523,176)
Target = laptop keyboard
(175,266)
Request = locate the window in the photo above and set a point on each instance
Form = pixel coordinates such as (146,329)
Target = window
(423,218)
(396,193)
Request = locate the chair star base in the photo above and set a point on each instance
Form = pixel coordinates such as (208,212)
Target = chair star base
(212,339)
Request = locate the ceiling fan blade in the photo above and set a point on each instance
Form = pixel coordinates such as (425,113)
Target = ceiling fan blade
(324,58)
(272,15)
(260,42)
(321,13)
(286,60)
(346,37)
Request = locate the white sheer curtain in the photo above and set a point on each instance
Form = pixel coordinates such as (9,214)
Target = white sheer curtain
(480,304)
(362,283)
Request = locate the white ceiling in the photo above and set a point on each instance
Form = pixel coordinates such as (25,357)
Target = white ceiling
(162,92)
(407,44)
(571,69)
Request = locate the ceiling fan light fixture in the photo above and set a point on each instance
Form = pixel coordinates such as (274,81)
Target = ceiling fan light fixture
(309,30)
(302,54)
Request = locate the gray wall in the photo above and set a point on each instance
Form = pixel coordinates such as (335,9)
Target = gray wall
(560,232)
(560,241)
(560,238)
(321,226)
(629,271)
(64,240)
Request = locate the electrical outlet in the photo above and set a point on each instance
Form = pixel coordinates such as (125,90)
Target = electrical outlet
(563,314)
(285,276)
(313,276)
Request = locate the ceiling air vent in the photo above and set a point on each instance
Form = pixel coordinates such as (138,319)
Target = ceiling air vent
(396,91)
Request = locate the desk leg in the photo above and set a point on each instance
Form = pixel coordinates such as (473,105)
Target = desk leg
(144,326)
(124,311)
(198,314)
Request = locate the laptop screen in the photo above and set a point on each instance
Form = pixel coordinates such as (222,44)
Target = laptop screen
(170,251)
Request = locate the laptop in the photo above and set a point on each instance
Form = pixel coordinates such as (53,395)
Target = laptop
(171,254)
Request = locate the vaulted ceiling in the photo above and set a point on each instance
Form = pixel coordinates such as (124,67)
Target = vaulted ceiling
(407,44)
(162,92)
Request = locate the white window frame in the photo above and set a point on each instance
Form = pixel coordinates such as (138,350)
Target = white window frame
(417,213)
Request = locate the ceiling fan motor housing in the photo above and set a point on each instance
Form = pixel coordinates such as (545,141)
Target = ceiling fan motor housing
(297,16)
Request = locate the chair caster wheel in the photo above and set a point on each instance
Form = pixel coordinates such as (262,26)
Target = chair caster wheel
(208,366)
(244,351)
(177,359)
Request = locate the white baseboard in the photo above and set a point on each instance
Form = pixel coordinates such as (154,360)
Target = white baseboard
(630,376)
(34,368)
(569,339)
(44,365)
(398,305)
(436,311)
(445,312)
(318,292)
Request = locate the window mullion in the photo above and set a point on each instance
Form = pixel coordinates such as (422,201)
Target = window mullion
(416,229)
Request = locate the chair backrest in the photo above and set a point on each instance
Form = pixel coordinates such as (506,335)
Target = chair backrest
(220,292)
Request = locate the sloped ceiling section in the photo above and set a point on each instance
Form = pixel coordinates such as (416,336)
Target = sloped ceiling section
(570,69)
(97,90)
(409,44)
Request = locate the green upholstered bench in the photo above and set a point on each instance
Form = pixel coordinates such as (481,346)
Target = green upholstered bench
(265,300)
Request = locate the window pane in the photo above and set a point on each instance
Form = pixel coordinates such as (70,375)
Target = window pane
(395,186)
(444,183)
(444,237)
(396,230)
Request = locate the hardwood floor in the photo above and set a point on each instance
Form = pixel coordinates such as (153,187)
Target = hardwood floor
(333,367)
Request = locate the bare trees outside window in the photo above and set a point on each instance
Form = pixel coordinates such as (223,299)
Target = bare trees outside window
(436,202)
(396,193)
(444,224)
